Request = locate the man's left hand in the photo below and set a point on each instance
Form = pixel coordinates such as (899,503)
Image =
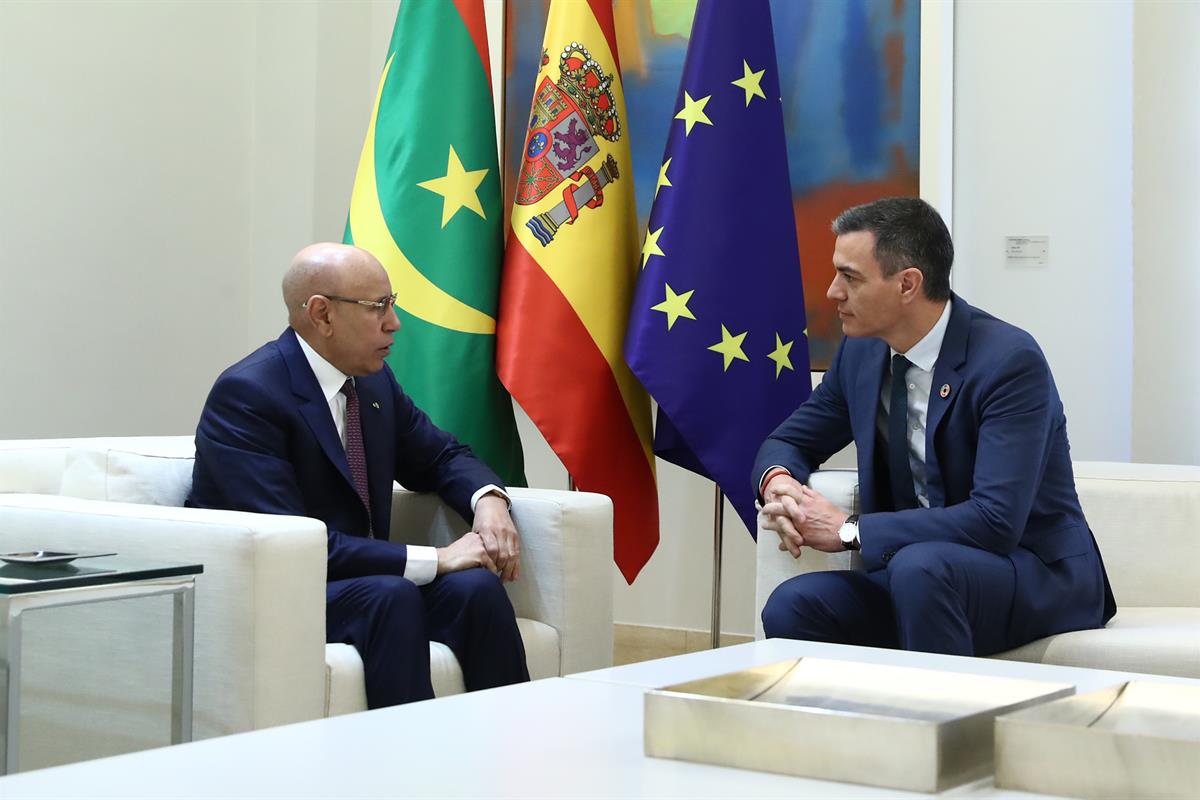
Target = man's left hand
(495,527)
(822,521)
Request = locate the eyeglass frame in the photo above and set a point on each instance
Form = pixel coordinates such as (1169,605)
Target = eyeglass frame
(379,305)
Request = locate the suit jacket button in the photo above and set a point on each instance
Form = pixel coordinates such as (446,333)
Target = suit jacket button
(886,557)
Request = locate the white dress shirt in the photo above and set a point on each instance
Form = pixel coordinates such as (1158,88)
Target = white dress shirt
(923,355)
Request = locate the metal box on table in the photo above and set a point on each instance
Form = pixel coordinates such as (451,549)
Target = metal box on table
(1136,739)
(896,727)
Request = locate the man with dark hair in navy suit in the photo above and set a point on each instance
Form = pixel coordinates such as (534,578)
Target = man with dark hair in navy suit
(314,424)
(971,532)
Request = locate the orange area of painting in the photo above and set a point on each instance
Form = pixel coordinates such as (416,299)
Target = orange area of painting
(815,213)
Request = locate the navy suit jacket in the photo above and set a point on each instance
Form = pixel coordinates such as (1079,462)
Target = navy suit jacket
(998,466)
(267,442)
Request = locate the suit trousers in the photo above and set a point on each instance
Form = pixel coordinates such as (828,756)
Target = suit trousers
(935,597)
(390,621)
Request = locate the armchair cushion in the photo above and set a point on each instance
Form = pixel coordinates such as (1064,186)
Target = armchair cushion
(127,477)
(346,692)
(1165,641)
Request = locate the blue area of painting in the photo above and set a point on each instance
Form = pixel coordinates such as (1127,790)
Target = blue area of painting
(910,121)
(862,92)
(651,103)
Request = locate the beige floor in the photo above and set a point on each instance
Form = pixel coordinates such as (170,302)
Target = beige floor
(632,643)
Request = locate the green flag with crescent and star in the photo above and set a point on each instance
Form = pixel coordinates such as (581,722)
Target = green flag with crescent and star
(426,203)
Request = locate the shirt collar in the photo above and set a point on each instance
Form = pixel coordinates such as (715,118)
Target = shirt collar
(924,354)
(330,378)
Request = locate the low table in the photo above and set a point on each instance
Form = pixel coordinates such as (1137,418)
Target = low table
(562,737)
(24,587)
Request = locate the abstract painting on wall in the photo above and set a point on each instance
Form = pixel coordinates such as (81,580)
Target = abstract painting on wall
(850,78)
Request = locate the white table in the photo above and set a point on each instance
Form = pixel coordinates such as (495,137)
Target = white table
(562,737)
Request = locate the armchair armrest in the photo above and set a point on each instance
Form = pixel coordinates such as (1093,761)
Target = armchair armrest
(775,566)
(566,562)
(259,626)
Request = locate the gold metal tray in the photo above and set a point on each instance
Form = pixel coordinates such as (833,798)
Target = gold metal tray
(896,727)
(1135,739)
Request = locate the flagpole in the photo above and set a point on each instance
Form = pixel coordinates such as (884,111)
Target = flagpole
(718,528)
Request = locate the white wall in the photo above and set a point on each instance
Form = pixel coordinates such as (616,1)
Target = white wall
(161,162)
(124,211)
(1043,146)
(316,69)
(1166,211)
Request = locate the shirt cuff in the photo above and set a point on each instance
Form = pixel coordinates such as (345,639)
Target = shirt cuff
(491,487)
(421,567)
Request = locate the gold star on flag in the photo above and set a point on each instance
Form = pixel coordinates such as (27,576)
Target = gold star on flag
(651,248)
(780,355)
(675,306)
(749,82)
(458,188)
(730,346)
(693,112)
(663,180)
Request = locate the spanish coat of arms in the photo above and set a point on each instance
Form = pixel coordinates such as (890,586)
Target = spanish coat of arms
(567,117)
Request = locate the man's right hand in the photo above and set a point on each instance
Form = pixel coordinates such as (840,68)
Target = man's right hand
(467,553)
(782,512)
(782,485)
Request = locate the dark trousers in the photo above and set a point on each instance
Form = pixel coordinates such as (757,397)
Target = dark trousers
(935,597)
(390,621)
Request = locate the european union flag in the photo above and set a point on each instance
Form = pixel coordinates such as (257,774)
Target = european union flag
(717,331)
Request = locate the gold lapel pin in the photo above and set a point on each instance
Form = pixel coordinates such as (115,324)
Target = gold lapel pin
(376,404)
(945,392)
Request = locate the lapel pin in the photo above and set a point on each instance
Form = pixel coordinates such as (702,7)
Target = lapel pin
(376,404)
(945,391)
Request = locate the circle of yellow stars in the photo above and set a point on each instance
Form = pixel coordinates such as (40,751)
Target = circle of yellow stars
(731,347)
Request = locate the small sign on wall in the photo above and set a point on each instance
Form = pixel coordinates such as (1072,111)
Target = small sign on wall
(1026,251)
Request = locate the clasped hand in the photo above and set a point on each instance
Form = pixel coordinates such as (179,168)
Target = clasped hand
(800,516)
(492,543)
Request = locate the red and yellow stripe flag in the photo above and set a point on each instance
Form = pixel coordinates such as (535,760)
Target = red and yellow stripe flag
(569,272)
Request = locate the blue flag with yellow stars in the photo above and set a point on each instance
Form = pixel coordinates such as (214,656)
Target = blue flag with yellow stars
(717,332)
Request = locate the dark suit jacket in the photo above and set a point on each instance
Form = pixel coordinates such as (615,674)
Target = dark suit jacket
(998,465)
(267,442)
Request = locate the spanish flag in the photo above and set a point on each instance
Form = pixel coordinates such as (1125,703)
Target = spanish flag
(570,266)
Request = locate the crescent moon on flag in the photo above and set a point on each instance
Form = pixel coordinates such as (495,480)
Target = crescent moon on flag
(416,294)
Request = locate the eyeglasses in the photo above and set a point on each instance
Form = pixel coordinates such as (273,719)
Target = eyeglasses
(380,306)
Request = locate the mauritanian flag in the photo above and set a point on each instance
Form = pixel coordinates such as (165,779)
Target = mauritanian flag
(426,203)
(569,271)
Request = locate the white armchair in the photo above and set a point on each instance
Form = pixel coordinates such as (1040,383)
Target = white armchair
(1146,520)
(96,678)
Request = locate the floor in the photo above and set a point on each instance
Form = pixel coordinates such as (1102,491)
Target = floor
(632,643)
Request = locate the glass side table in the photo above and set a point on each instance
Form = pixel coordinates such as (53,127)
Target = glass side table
(25,586)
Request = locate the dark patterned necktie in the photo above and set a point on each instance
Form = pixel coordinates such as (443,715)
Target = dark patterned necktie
(899,470)
(356,455)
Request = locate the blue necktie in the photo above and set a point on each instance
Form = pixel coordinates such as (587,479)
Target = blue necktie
(899,470)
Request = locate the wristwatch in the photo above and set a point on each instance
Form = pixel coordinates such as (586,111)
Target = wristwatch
(848,533)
